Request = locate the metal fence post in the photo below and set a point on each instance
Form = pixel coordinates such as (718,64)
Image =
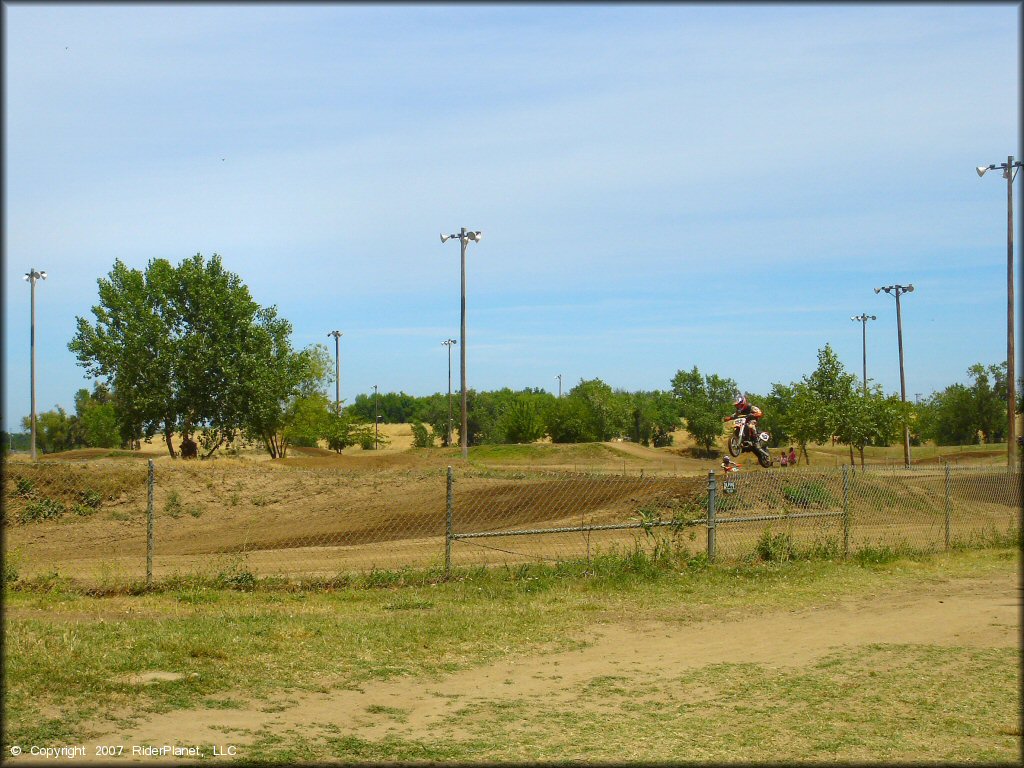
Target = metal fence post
(948,509)
(846,512)
(448,528)
(711,516)
(149,527)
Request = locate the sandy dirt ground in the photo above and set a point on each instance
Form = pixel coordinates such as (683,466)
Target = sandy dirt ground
(981,613)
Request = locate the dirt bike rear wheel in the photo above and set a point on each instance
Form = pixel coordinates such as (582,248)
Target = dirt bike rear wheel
(764,458)
(735,444)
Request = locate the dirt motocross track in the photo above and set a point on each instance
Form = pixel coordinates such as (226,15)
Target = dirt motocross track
(284,519)
(317,514)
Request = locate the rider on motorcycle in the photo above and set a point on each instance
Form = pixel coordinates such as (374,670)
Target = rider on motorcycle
(751,412)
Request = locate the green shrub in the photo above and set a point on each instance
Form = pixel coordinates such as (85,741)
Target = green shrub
(42,509)
(884,553)
(421,436)
(25,487)
(12,559)
(808,494)
(775,549)
(173,505)
(824,549)
(91,498)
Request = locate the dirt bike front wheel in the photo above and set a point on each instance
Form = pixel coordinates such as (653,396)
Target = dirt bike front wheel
(735,444)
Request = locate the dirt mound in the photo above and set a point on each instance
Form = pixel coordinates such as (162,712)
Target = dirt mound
(92,453)
(946,458)
(303,450)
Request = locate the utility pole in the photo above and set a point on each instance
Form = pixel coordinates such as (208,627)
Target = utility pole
(1009,173)
(32,276)
(559,377)
(337,369)
(897,290)
(464,237)
(448,343)
(376,418)
(863,318)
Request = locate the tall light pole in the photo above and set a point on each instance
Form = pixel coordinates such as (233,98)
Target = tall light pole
(448,343)
(32,275)
(864,334)
(897,290)
(559,377)
(376,418)
(337,369)
(464,238)
(1010,169)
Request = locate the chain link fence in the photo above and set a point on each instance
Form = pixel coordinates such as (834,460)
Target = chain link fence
(114,522)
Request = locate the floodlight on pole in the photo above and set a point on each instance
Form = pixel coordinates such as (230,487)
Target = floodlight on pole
(559,377)
(863,319)
(465,237)
(897,290)
(32,276)
(1009,169)
(337,369)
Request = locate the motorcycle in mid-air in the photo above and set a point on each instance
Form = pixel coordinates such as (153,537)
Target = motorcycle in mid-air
(739,441)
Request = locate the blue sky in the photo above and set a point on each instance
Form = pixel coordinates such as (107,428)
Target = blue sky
(659,186)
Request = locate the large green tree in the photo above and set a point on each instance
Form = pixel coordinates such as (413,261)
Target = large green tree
(97,417)
(589,412)
(703,402)
(964,414)
(652,417)
(185,348)
(55,431)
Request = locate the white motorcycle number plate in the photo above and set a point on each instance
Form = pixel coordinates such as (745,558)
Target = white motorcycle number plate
(739,422)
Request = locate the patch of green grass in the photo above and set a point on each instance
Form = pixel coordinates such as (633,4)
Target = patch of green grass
(303,748)
(172,506)
(396,713)
(892,703)
(227,703)
(883,554)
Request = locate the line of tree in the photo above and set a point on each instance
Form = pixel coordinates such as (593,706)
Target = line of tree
(185,349)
